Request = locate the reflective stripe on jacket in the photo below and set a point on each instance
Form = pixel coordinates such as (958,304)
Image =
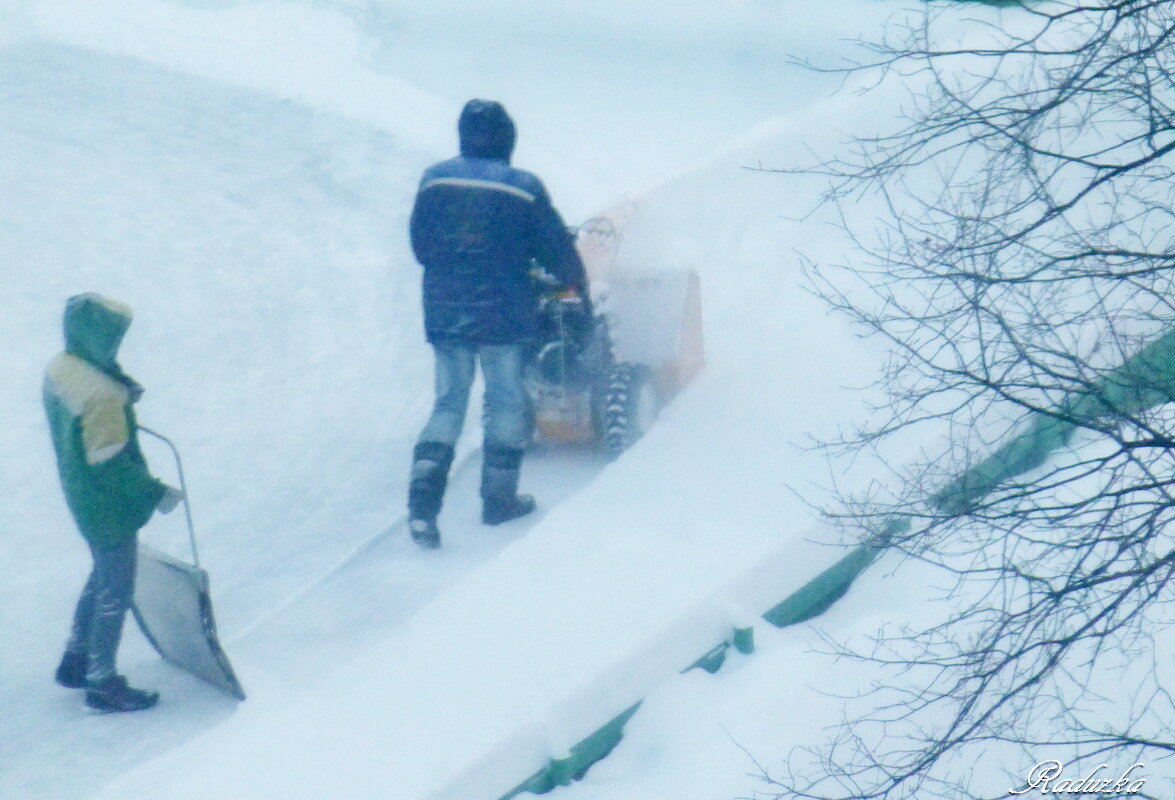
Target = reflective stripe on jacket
(476,226)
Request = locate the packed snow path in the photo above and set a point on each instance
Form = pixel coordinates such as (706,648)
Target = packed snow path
(388,578)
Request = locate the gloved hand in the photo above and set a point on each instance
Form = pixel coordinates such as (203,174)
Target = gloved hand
(136,390)
(132,386)
(584,322)
(171,498)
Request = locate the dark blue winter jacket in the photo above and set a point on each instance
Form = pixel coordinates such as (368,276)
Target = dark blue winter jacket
(476,225)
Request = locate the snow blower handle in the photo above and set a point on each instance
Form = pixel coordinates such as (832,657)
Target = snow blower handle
(179,465)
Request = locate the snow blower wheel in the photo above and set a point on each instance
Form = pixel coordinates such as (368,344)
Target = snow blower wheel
(629,408)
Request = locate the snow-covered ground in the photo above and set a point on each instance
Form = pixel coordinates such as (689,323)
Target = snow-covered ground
(241,174)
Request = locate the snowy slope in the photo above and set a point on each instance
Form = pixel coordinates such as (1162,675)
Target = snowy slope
(240,173)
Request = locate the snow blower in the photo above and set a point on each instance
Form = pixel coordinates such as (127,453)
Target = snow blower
(603,371)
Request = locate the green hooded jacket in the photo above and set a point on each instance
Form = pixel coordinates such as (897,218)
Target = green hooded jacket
(88,398)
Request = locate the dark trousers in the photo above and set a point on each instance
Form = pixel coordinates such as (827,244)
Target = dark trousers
(101,610)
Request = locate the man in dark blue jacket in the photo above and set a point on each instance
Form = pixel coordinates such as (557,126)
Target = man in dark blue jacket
(477,226)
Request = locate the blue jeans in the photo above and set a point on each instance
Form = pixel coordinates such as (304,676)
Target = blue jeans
(507,416)
(101,610)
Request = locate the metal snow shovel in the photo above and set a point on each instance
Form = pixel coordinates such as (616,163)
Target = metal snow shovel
(174,609)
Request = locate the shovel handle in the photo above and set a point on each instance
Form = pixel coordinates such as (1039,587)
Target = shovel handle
(179,465)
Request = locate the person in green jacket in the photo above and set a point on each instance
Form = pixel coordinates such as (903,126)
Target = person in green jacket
(108,488)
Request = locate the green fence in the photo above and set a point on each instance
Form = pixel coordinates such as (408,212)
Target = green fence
(811,600)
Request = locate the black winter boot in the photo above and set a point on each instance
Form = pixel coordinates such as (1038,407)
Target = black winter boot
(499,486)
(114,694)
(426,489)
(71,672)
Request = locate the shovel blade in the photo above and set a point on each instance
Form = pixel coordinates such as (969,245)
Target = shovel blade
(174,609)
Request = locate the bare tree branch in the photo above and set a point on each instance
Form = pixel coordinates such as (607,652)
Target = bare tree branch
(1023,277)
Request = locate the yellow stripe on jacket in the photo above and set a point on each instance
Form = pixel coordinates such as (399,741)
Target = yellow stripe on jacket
(97,399)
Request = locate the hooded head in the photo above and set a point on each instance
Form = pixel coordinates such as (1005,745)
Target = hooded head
(486,130)
(94,326)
